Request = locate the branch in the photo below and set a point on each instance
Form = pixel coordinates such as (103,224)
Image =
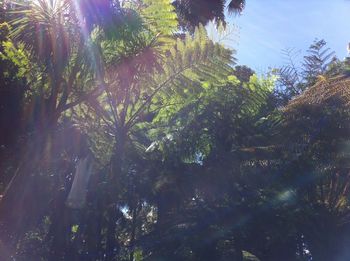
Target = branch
(149,98)
(95,93)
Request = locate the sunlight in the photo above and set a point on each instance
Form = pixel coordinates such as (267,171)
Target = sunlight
(49,4)
(39,2)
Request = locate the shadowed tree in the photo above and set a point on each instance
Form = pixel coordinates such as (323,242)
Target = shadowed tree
(191,13)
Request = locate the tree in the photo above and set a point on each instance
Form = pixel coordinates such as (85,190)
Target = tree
(197,179)
(177,153)
(142,91)
(319,61)
(13,89)
(133,75)
(323,112)
(50,73)
(193,13)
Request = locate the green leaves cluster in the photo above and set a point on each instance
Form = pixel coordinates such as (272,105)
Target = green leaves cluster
(16,59)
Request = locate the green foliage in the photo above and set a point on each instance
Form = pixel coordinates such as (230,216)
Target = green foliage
(14,68)
(317,61)
(160,16)
(45,19)
(193,158)
(194,120)
(13,59)
(16,56)
(196,12)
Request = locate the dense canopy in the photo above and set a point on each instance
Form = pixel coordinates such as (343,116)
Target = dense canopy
(128,133)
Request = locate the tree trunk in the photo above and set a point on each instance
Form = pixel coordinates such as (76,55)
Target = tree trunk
(112,245)
(135,212)
(22,203)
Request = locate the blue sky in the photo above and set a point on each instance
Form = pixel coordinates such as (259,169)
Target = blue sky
(268,26)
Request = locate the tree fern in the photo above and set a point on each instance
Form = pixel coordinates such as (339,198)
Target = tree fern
(295,78)
(160,16)
(181,74)
(317,61)
(186,67)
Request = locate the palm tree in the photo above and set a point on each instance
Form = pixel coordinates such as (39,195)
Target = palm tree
(50,34)
(193,12)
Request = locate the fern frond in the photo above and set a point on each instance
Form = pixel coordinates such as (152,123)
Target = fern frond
(186,68)
(160,16)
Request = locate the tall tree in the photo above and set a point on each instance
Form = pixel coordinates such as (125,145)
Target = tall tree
(193,13)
